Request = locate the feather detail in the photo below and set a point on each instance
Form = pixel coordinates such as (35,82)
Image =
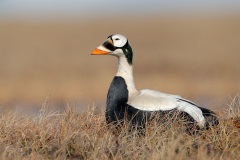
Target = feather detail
(150,100)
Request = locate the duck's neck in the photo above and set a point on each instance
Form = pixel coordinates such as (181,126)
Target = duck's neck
(125,70)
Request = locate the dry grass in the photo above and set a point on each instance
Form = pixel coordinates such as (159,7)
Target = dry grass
(70,135)
(196,57)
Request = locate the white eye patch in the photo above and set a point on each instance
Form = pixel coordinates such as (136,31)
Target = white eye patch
(119,40)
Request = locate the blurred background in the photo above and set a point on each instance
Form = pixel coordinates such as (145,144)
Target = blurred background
(189,48)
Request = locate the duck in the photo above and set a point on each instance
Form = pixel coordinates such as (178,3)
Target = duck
(125,102)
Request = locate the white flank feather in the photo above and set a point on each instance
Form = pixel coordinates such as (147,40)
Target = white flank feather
(150,100)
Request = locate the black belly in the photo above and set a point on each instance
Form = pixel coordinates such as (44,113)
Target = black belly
(139,118)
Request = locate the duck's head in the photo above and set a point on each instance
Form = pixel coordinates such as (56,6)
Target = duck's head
(116,45)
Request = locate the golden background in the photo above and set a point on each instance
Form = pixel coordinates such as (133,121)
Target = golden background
(197,57)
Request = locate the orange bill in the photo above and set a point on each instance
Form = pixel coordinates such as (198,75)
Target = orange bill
(99,51)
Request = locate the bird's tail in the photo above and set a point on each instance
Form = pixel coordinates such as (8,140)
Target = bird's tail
(210,116)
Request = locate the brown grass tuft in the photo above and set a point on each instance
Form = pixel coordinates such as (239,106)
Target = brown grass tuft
(70,135)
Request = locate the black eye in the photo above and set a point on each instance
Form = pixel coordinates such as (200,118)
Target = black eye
(117,39)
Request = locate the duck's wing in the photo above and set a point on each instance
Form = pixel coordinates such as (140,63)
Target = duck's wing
(150,100)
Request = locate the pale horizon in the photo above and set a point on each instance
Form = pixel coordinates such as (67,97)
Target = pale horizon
(18,9)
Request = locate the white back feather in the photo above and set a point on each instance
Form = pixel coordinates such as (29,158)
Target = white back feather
(150,100)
